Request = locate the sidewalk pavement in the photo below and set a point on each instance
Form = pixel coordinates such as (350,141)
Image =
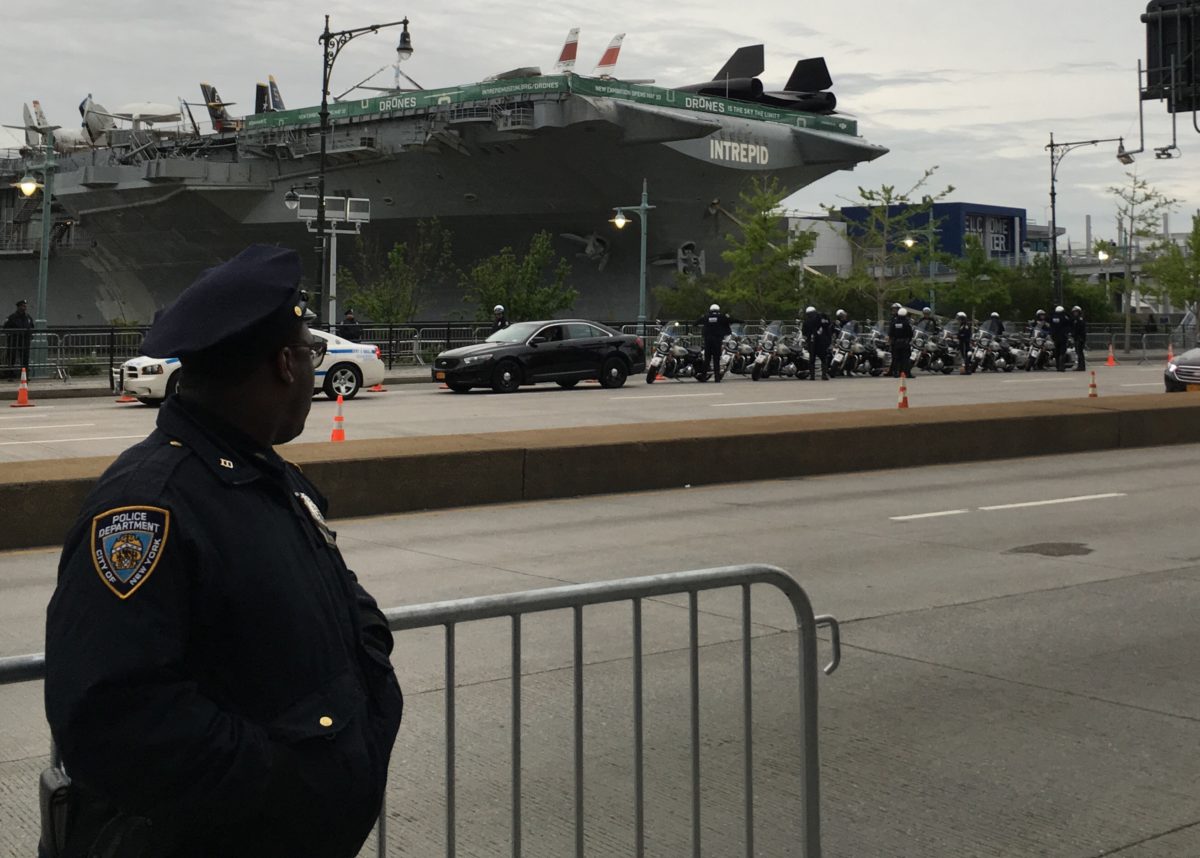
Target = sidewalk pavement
(98,385)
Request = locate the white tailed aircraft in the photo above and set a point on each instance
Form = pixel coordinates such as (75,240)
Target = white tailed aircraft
(93,133)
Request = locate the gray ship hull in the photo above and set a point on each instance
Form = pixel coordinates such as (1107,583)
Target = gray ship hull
(147,228)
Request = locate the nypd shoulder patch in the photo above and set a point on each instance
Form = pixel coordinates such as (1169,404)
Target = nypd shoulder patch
(127,543)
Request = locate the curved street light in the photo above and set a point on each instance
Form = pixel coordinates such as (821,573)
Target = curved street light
(332,43)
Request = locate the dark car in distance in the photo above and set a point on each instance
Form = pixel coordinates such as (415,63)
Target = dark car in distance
(1183,373)
(565,351)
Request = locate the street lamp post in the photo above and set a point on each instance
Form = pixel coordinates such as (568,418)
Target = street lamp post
(643,210)
(332,43)
(28,186)
(1058,151)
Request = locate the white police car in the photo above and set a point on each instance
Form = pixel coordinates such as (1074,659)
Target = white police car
(346,369)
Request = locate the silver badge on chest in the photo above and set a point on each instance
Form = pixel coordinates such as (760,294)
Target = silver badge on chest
(314,512)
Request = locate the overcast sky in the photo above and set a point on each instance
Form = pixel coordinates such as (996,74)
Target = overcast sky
(972,87)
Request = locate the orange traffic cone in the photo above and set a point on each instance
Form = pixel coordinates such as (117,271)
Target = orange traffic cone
(377,388)
(1092,394)
(1170,352)
(22,393)
(125,397)
(902,400)
(339,429)
(1112,361)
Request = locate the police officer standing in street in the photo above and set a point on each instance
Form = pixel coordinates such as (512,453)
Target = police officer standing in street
(715,327)
(350,329)
(817,331)
(965,332)
(217,680)
(1060,330)
(19,327)
(501,321)
(900,334)
(1079,335)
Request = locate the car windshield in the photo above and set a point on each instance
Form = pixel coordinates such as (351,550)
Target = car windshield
(517,333)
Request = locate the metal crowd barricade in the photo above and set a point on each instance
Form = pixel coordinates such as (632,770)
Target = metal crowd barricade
(451,614)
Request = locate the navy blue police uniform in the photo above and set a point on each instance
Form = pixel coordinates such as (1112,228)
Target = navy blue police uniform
(1079,334)
(715,327)
(217,680)
(900,334)
(1060,330)
(965,333)
(818,334)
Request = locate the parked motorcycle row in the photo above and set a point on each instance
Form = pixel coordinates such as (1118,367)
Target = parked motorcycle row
(857,349)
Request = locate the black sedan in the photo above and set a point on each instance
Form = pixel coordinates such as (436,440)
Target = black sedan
(565,351)
(1183,373)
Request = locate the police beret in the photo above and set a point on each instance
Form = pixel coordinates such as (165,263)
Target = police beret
(227,300)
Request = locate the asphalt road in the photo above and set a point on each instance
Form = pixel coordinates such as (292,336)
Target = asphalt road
(58,428)
(1018,674)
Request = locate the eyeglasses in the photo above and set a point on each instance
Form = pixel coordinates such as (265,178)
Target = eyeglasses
(316,349)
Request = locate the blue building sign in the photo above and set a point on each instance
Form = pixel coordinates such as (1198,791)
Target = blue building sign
(1001,230)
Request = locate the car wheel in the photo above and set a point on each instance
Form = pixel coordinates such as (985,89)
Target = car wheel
(568,383)
(343,380)
(146,400)
(458,386)
(613,373)
(173,383)
(506,378)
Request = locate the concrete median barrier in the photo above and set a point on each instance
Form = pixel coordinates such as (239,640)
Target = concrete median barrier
(40,499)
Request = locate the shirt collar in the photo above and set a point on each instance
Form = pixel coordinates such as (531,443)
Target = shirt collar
(233,456)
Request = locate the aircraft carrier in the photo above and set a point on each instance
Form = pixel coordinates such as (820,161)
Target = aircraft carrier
(494,161)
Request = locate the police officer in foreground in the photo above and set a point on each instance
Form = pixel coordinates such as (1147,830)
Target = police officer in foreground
(217,680)
(715,326)
(818,338)
(900,334)
(501,321)
(1079,335)
(1060,330)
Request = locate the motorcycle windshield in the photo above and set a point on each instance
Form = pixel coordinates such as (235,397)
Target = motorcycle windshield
(771,333)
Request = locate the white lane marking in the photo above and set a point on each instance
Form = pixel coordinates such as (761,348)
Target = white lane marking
(929,514)
(771,402)
(67,440)
(48,426)
(1075,499)
(1144,384)
(1036,380)
(27,415)
(670,396)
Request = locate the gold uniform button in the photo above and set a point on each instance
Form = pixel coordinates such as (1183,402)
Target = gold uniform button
(326,721)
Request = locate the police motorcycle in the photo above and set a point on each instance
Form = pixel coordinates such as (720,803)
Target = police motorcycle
(738,351)
(926,348)
(1036,348)
(850,353)
(673,358)
(991,352)
(879,352)
(767,359)
(794,357)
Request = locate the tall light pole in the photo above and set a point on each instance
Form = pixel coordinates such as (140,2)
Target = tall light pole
(619,220)
(332,43)
(1058,151)
(28,185)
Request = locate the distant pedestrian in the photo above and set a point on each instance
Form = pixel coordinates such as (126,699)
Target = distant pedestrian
(1079,335)
(900,334)
(350,329)
(501,321)
(715,326)
(19,327)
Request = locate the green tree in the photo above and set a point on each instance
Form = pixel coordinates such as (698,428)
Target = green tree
(532,286)
(764,276)
(884,267)
(391,288)
(977,281)
(1140,208)
(687,298)
(1176,273)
